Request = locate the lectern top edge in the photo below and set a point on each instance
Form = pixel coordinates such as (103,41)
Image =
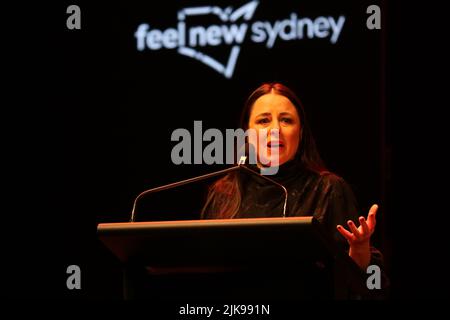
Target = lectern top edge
(207,223)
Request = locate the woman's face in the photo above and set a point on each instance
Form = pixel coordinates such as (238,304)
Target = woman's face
(272,113)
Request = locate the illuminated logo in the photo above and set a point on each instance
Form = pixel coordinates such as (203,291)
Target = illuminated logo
(190,41)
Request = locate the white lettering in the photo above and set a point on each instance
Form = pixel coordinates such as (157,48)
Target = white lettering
(170,38)
(140,34)
(305,22)
(214,151)
(234,33)
(215,147)
(197,33)
(374,20)
(198,143)
(258,34)
(213,35)
(74,280)
(321,26)
(230,33)
(184,146)
(285,35)
(192,310)
(374,280)
(74,21)
(154,38)
(181,33)
(337,27)
(272,32)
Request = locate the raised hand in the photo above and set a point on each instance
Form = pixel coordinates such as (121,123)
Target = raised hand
(359,237)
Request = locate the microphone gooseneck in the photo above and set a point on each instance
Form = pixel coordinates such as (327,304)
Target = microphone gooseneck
(241,165)
(178,184)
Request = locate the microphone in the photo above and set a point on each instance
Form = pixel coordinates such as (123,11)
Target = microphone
(183,182)
(247,150)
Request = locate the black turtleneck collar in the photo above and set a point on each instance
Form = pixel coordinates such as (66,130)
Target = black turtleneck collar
(287,173)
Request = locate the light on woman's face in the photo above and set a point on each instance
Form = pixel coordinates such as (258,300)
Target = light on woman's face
(277,119)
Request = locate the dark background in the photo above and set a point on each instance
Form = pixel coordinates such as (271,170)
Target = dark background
(92,120)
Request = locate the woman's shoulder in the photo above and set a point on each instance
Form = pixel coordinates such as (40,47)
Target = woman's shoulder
(336,184)
(330,181)
(328,178)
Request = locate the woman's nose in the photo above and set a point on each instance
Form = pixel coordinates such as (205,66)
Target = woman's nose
(275,125)
(274,131)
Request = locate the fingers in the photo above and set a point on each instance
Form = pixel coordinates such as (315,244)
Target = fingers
(365,228)
(350,236)
(371,219)
(353,228)
(347,235)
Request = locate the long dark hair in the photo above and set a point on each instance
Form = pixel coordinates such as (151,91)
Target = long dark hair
(224,196)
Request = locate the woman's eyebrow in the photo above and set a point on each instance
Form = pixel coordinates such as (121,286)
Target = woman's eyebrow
(263,114)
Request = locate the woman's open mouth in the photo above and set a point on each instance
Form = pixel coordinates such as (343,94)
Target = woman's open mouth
(275,144)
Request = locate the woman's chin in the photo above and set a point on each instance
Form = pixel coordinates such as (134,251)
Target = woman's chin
(273,162)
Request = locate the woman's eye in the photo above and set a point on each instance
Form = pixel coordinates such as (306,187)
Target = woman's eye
(287,120)
(262,121)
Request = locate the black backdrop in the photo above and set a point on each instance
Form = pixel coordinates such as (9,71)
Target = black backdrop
(131,102)
(100,133)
